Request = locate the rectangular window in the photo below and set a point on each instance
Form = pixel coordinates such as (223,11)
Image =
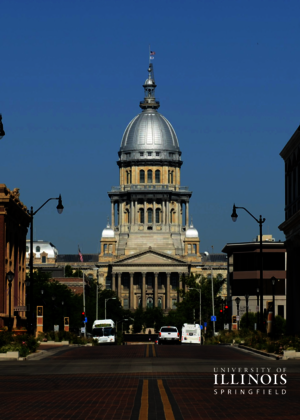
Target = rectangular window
(126,303)
(157,153)
(44,260)
(281,310)
(149,153)
(141,153)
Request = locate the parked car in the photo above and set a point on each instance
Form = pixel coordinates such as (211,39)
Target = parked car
(168,335)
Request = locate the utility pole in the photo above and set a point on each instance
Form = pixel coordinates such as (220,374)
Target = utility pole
(213,300)
(83,295)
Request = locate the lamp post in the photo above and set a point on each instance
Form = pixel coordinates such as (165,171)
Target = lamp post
(2,132)
(199,291)
(105,304)
(30,311)
(247,319)
(273,279)
(260,221)
(10,276)
(257,304)
(53,299)
(237,301)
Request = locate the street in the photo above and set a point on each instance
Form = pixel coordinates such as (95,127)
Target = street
(142,382)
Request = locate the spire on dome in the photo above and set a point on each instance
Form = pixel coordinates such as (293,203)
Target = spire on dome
(149,89)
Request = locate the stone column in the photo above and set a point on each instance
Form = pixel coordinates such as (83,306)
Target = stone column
(113,282)
(154,209)
(112,214)
(132,213)
(155,289)
(145,213)
(187,214)
(168,291)
(168,212)
(163,212)
(118,213)
(136,213)
(119,285)
(144,303)
(180,286)
(131,292)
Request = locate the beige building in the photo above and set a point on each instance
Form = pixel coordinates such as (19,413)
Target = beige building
(150,243)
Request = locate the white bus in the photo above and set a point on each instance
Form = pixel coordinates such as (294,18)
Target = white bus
(104,331)
(191,334)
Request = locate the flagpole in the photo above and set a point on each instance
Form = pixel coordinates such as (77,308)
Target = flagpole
(83,295)
(149,53)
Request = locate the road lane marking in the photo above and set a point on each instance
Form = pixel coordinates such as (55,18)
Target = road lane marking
(144,402)
(153,351)
(165,400)
(147,351)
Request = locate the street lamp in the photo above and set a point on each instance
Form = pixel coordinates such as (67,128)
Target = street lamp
(200,312)
(105,305)
(10,276)
(30,312)
(237,301)
(273,280)
(260,221)
(2,132)
(247,319)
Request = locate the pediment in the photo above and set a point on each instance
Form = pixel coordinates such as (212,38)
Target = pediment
(150,257)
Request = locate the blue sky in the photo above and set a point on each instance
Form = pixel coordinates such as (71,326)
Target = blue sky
(71,79)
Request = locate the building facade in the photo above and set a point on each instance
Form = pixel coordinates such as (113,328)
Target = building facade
(291,228)
(244,275)
(14,222)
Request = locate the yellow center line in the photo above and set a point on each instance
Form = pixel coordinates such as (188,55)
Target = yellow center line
(153,351)
(147,351)
(165,400)
(144,402)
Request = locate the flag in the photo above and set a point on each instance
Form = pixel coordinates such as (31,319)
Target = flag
(152,52)
(151,58)
(80,254)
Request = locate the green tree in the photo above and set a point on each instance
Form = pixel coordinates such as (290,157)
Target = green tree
(70,273)
(252,319)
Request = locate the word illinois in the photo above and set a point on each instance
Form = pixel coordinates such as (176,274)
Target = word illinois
(250,379)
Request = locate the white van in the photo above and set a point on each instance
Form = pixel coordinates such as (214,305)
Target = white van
(191,334)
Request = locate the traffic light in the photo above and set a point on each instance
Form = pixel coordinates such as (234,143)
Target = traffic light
(83,316)
(221,311)
(226,313)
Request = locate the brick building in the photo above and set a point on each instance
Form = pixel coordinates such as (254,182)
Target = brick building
(14,222)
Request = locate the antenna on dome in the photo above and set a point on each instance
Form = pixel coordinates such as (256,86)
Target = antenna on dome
(108,225)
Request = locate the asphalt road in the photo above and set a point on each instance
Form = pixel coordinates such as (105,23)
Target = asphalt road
(149,382)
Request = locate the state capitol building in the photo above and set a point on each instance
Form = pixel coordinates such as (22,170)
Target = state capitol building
(150,243)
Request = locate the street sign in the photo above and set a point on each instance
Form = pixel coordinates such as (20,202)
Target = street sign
(82,329)
(213,318)
(205,324)
(226,326)
(56,328)
(201,327)
(237,318)
(85,319)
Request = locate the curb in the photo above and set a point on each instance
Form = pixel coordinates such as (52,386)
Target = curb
(262,353)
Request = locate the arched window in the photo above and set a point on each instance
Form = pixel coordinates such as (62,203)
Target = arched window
(149,302)
(219,276)
(44,260)
(149,176)
(38,249)
(128,177)
(159,302)
(170,177)
(172,216)
(142,216)
(157,177)
(142,176)
(157,216)
(150,216)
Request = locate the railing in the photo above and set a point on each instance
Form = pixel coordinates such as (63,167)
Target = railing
(134,187)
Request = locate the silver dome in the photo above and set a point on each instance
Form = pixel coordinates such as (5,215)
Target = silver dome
(149,131)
